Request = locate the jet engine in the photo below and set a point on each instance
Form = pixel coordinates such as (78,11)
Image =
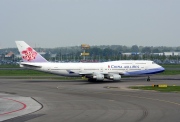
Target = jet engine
(114,77)
(98,76)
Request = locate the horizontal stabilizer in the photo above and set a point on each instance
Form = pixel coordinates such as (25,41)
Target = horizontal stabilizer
(30,65)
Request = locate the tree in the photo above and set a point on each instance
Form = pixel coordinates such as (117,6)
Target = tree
(108,52)
(155,50)
(177,48)
(95,51)
(125,49)
(135,48)
(47,56)
(146,50)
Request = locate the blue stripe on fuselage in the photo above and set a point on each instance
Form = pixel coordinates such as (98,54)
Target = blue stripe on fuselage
(145,72)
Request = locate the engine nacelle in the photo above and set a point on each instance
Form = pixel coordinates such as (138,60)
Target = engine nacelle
(98,76)
(114,77)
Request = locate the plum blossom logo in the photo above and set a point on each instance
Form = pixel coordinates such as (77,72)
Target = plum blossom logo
(29,54)
(108,66)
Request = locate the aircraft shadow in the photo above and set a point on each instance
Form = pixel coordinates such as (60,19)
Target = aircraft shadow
(73,81)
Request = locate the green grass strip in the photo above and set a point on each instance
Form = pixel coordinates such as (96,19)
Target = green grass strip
(18,74)
(171,65)
(9,66)
(162,89)
(170,72)
(23,73)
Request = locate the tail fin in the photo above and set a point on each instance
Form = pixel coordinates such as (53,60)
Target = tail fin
(28,54)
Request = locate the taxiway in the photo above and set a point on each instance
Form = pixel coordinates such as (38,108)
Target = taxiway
(79,100)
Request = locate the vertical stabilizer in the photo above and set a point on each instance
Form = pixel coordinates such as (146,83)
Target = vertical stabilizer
(28,54)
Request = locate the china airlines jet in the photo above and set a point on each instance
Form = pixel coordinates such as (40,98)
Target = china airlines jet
(112,70)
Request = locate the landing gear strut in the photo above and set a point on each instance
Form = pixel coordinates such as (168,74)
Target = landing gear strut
(91,80)
(148,79)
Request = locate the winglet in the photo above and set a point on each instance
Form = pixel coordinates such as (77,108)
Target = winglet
(28,54)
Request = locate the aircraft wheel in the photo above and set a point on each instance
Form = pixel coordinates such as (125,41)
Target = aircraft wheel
(148,79)
(90,79)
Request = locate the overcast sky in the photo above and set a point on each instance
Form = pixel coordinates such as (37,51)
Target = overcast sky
(57,23)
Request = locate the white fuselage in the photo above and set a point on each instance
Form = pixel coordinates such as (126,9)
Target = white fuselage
(126,68)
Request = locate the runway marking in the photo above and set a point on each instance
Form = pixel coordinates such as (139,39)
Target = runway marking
(24,106)
(60,87)
(112,100)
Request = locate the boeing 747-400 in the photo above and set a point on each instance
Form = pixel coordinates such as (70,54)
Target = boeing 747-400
(112,70)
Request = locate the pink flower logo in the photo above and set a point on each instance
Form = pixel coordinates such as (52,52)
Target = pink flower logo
(29,54)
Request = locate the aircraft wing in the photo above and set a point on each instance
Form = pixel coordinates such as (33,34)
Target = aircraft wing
(91,73)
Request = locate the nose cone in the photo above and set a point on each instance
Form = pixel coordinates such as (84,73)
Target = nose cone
(161,69)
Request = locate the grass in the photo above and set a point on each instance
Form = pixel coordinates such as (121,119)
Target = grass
(34,74)
(170,72)
(9,66)
(23,72)
(162,89)
(171,65)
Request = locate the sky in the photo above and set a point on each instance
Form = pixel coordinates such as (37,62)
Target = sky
(59,23)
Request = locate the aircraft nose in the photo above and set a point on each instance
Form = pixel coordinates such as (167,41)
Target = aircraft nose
(161,69)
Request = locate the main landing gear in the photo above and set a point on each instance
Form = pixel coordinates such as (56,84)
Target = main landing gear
(91,80)
(148,79)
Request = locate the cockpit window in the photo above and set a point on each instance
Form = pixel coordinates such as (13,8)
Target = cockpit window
(153,63)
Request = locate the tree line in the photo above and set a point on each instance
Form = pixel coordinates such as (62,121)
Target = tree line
(104,52)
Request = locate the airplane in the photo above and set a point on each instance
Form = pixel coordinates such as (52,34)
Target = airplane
(112,70)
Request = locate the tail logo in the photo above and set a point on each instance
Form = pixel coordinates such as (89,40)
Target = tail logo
(29,54)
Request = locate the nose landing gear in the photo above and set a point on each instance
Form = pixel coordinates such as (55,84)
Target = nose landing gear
(148,79)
